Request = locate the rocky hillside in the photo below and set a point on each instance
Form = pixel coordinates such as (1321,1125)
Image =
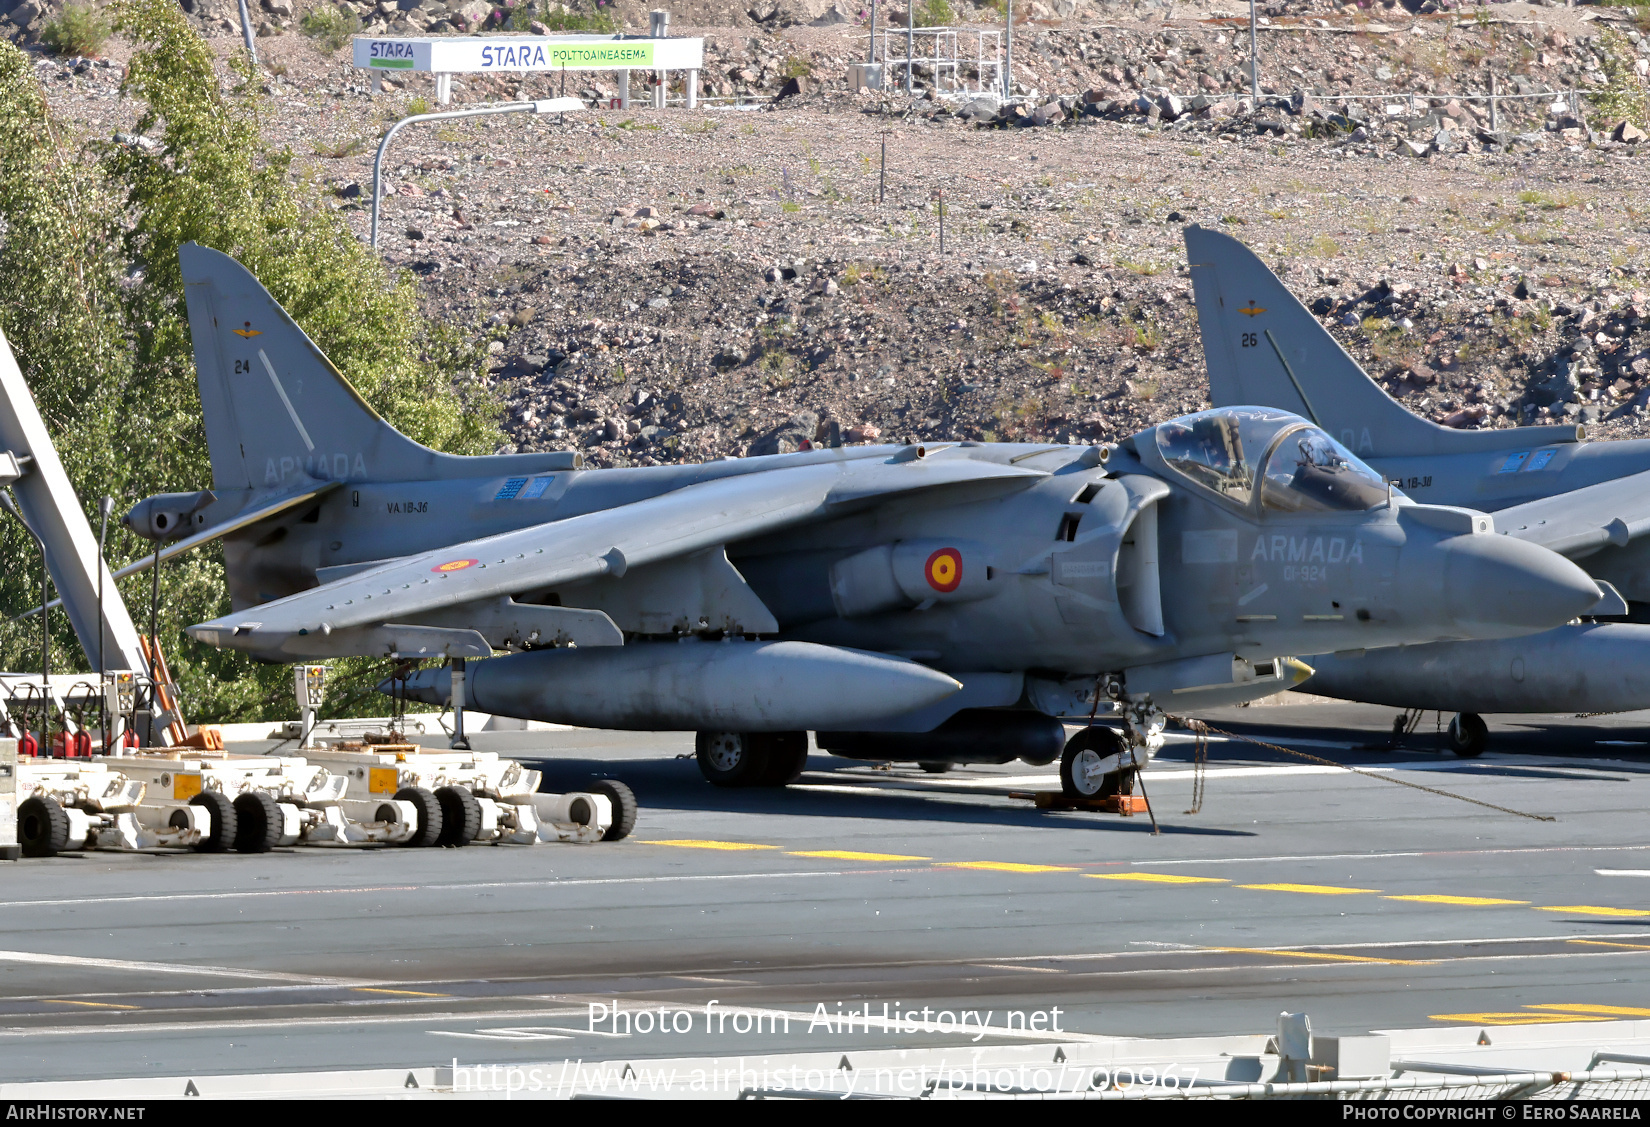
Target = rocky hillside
(666,286)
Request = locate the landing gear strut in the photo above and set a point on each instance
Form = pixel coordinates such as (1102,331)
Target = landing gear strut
(1099,762)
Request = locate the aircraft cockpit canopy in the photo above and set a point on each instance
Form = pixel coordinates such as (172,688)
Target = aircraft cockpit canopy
(1305,469)
(1309,472)
(1221,449)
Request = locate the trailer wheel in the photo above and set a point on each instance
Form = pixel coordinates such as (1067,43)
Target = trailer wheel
(787,754)
(42,827)
(224,821)
(624,807)
(1088,747)
(460,816)
(429,815)
(1468,734)
(258,822)
(731,759)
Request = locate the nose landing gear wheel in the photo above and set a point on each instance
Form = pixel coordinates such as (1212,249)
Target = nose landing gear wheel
(1082,766)
(1468,734)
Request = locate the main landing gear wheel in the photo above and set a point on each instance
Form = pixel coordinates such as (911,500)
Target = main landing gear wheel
(460,816)
(429,815)
(624,807)
(1468,734)
(729,759)
(933,766)
(1081,774)
(224,821)
(751,759)
(787,754)
(257,822)
(42,827)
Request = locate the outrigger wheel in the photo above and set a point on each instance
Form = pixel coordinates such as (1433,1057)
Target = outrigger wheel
(224,822)
(1468,734)
(1084,754)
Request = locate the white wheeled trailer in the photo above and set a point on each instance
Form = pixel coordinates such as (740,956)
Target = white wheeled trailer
(464,797)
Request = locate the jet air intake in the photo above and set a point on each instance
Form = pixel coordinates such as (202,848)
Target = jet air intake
(694,685)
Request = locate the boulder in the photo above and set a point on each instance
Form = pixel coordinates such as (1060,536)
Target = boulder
(795,433)
(793,87)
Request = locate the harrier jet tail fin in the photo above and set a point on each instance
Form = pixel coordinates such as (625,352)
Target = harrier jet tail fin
(276,410)
(1264,348)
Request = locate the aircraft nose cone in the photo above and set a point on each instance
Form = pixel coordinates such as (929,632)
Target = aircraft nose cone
(1496,581)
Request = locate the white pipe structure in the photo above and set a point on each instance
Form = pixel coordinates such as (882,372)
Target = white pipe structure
(546,105)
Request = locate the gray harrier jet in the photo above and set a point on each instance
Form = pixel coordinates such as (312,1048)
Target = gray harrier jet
(940,603)
(1589,501)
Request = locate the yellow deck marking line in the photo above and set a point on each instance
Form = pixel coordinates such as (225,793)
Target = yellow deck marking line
(1582,1008)
(1470,901)
(1314,889)
(1158,878)
(1320,955)
(1512,1018)
(408,993)
(1607,943)
(1007,867)
(730,846)
(94,1005)
(851,855)
(1594,910)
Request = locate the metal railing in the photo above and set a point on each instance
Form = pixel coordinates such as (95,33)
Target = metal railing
(947,58)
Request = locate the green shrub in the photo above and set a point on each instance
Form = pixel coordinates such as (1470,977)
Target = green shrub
(77,30)
(331,28)
(91,301)
(599,21)
(797,66)
(1623,95)
(936,13)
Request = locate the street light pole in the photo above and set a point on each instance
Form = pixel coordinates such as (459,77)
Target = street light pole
(546,105)
(1254,57)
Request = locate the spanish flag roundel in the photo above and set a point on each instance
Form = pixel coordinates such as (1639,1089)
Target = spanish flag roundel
(944,570)
(454,565)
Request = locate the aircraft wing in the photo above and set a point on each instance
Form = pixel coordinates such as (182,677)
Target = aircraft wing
(1582,521)
(607,542)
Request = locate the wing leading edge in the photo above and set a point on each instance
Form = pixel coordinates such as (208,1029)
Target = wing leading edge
(608,542)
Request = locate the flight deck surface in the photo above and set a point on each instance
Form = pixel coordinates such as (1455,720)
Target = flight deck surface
(1297,887)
